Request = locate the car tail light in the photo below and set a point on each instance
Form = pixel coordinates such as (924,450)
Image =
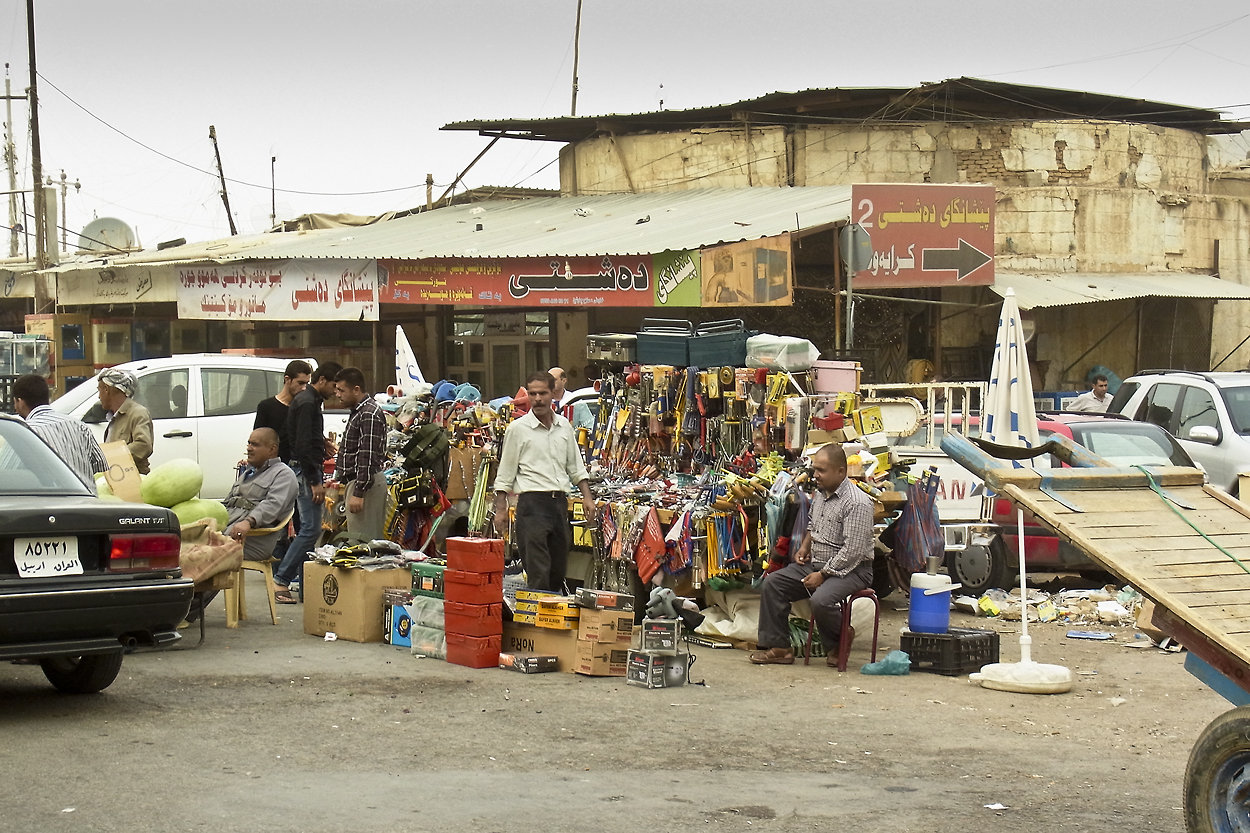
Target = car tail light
(144,551)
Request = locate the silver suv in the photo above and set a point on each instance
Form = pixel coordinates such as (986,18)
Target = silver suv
(1209,413)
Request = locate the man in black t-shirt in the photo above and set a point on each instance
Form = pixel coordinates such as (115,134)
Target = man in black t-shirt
(271,412)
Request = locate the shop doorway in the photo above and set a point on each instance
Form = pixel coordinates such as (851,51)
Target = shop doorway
(496,351)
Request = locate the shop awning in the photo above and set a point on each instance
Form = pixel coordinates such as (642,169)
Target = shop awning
(1055,289)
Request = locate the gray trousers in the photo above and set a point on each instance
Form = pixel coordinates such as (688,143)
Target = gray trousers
(786,586)
(369,524)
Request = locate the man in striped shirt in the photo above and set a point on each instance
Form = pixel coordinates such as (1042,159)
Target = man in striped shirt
(72,441)
(834,561)
(362,456)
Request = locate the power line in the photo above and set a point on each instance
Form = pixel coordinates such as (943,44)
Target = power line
(264,187)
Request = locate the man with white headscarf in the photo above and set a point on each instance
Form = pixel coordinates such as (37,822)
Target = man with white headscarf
(128,421)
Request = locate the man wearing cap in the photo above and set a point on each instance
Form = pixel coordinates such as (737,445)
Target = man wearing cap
(128,421)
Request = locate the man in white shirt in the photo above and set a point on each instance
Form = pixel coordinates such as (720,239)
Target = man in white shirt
(540,458)
(1093,401)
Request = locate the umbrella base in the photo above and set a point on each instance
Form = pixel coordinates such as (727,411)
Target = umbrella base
(1025,677)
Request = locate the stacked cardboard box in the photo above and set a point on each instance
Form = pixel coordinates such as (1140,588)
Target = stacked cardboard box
(604,631)
(473,601)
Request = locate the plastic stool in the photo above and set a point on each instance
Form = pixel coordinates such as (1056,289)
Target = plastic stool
(844,638)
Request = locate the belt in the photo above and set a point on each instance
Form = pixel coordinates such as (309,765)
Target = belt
(553,495)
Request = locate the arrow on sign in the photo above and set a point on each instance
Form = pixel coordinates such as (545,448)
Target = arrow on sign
(965,260)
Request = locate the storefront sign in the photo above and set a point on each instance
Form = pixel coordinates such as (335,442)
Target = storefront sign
(117,285)
(284,290)
(750,273)
(926,235)
(667,279)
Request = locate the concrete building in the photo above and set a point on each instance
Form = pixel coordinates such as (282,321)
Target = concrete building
(1112,214)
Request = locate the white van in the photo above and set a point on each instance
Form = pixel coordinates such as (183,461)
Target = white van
(203,407)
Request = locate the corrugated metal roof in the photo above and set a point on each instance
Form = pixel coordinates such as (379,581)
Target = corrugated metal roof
(1035,290)
(566,226)
(953,100)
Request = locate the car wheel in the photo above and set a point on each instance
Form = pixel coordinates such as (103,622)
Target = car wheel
(978,568)
(82,675)
(1217,778)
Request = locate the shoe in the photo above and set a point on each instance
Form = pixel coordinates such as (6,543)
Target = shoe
(284,597)
(831,660)
(773,656)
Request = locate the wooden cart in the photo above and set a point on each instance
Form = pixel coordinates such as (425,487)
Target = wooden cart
(1186,546)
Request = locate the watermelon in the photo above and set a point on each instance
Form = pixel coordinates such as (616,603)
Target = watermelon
(190,511)
(102,488)
(171,483)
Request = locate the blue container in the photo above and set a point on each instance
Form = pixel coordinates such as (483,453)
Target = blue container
(929,613)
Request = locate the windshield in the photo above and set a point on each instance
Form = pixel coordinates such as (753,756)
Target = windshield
(1126,444)
(1238,402)
(29,467)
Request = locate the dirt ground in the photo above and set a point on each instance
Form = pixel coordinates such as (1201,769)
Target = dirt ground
(264,728)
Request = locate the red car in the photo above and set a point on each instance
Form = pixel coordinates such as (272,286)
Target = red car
(1120,441)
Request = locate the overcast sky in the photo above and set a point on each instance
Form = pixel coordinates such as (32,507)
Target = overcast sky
(349,96)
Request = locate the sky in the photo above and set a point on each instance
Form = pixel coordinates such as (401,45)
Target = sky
(349,96)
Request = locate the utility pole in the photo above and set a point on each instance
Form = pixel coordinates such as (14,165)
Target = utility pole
(36,166)
(65,183)
(273,192)
(577,42)
(429,191)
(16,221)
(225,198)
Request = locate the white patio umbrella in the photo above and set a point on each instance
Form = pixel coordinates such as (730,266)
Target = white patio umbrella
(1008,417)
(408,374)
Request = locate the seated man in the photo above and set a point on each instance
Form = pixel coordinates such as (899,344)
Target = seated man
(834,561)
(262,497)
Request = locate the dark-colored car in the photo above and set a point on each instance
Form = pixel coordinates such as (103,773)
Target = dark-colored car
(81,579)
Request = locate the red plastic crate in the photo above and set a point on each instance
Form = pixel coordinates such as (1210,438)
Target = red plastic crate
(473,620)
(473,588)
(473,651)
(475,555)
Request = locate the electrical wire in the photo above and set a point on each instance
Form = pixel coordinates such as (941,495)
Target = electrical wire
(265,187)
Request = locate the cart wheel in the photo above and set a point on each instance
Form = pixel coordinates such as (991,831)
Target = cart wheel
(1217,779)
(979,568)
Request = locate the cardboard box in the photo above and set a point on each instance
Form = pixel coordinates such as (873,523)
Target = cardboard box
(600,659)
(525,618)
(534,595)
(347,602)
(1145,614)
(603,599)
(400,626)
(651,670)
(528,663)
(555,621)
(608,626)
(559,606)
(661,636)
(530,639)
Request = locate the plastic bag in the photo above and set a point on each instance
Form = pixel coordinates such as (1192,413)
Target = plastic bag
(895,664)
(781,352)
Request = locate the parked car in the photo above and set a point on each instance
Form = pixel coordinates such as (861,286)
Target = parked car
(1209,413)
(81,578)
(991,560)
(203,407)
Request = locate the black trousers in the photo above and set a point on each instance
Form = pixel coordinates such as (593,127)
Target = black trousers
(543,536)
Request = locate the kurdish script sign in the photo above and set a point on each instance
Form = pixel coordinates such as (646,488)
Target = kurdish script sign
(926,235)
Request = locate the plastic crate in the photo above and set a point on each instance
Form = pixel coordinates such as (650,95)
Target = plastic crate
(6,394)
(959,651)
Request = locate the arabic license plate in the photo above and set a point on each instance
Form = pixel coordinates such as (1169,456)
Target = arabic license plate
(47,557)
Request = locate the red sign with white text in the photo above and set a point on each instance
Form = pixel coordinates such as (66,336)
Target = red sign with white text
(926,235)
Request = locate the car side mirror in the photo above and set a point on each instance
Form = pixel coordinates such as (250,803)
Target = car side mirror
(95,415)
(1204,434)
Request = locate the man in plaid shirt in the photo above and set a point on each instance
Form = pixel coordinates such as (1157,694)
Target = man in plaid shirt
(834,561)
(362,456)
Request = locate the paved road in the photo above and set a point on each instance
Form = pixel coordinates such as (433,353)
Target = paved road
(266,729)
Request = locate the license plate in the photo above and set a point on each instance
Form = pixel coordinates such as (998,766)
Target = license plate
(47,557)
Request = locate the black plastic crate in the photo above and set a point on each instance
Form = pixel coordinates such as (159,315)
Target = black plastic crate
(6,394)
(959,651)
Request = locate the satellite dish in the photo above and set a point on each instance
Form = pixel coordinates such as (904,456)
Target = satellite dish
(1029,326)
(105,234)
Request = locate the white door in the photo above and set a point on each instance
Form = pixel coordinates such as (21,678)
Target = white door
(229,396)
